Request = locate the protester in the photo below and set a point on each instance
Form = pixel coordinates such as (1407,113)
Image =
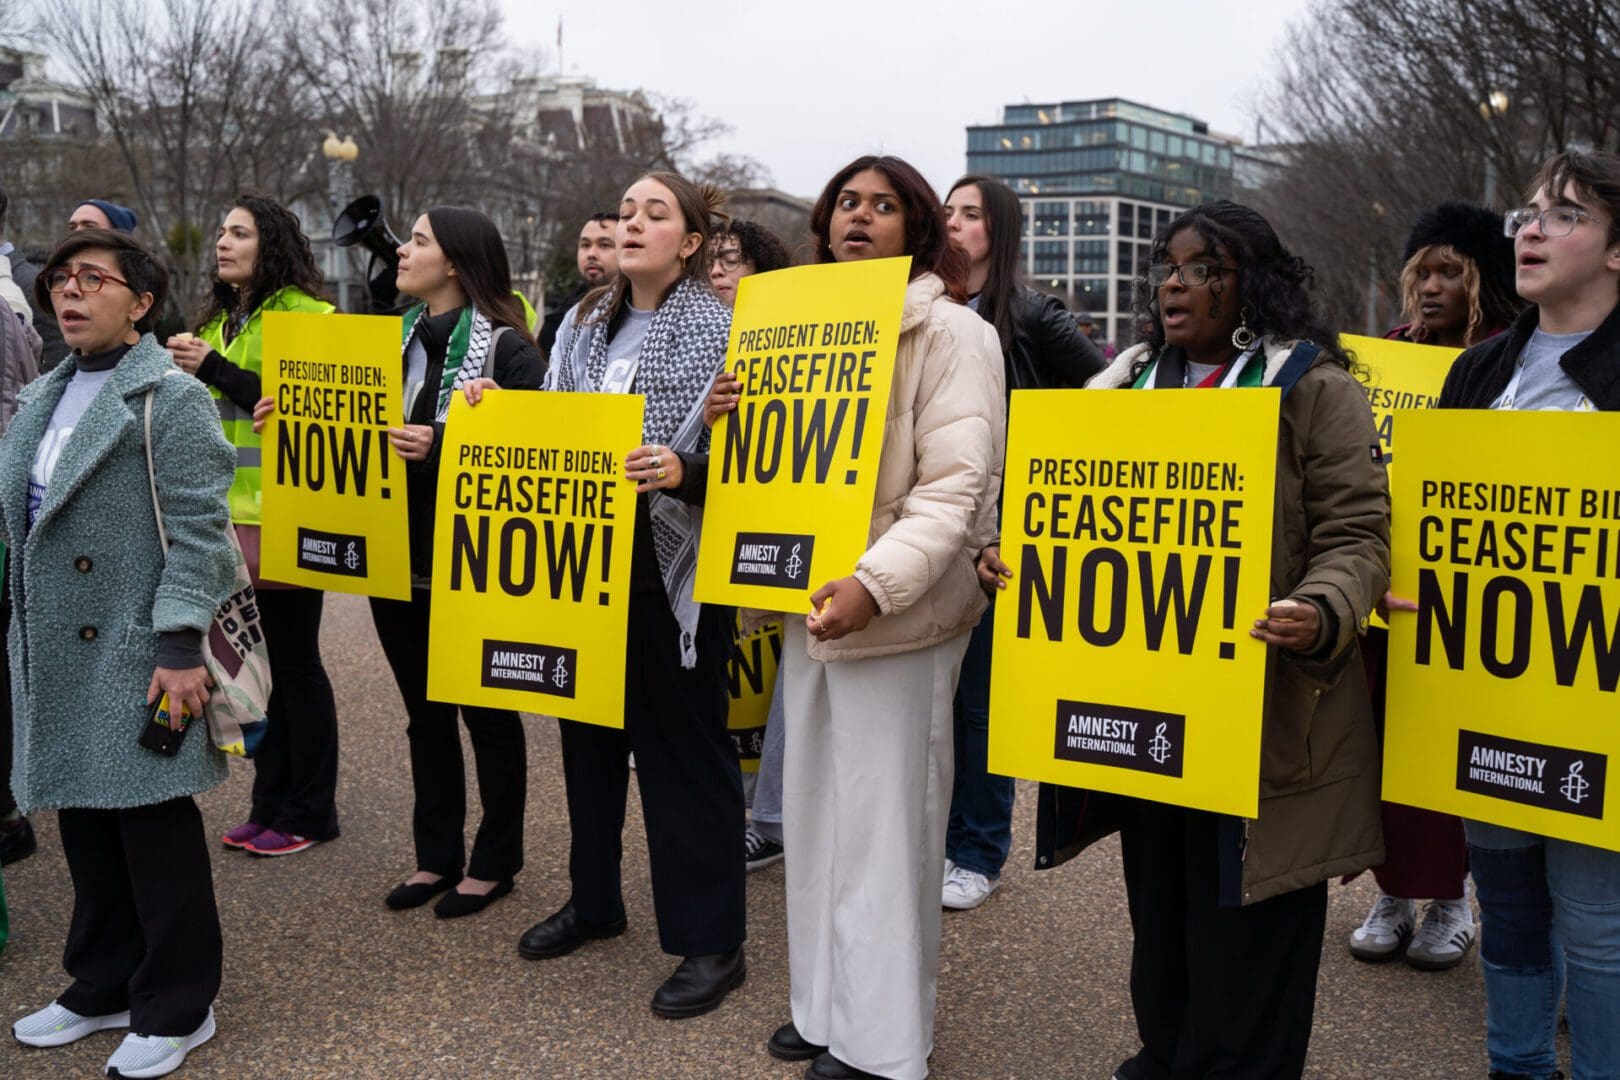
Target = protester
(466,322)
(104,623)
(869,675)
(1543,900)
(102,214)
(598,262)
(263,263)
(1456,278)
(1229,913)
(657,330)
(740,249)
(1456,289)
(1042,348)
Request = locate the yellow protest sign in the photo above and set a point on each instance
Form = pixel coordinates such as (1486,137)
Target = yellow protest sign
(531,554)
(1398,375)
(751,678)
(1138,529)
(1504,688)
(793,470)
(335,511)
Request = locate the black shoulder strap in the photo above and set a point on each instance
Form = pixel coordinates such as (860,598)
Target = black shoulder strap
(1298,363)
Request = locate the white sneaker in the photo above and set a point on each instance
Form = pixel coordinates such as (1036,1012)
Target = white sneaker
(141,1056)
(966,889)
(1385,930)
(1444,937)
(56,1026)
(950,869)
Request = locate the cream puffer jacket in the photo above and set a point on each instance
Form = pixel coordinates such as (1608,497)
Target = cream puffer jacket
(935,508)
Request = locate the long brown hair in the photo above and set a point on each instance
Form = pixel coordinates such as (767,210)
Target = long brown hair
(927,242)
(1004,224)
(699,207)
(472,244)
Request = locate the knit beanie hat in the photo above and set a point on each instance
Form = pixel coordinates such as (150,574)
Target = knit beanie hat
(121,218)
(1475,232)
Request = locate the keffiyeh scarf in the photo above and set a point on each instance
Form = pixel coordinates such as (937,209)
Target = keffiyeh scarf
(469,347)
(684,349)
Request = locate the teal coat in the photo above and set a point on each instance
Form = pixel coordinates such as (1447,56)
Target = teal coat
(91,589)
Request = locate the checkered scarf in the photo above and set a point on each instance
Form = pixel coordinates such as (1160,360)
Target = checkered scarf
(465,355)
(684,349)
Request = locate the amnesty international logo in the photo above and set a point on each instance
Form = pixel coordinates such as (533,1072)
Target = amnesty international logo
(780,559)
(1121,736)
(1575,787)
(523,665)
(331,553)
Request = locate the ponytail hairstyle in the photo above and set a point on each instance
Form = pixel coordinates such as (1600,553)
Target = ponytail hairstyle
(927,242)
(472,245)
(702,208)
(1004,223)
(1273,286)
(284,260)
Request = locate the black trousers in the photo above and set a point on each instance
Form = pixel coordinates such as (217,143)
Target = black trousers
(295,777)
(691,789)
(437,771)
(145,931)
(1218,991)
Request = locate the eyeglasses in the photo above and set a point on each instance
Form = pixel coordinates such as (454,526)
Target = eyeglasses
(730,258)
(89,278)
(1191,275)
(1555,221)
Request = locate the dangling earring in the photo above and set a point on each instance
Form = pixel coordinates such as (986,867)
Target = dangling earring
(131,337)
(1243,337)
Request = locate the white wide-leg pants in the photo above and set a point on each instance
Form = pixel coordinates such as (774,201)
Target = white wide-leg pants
(866,795)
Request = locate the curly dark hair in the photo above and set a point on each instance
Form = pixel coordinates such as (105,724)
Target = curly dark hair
(759,245)
(1272,284)
(284,259)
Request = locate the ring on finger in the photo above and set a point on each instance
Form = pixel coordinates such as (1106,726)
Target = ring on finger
(660,474)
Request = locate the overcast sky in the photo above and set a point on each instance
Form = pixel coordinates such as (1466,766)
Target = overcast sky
(807,86)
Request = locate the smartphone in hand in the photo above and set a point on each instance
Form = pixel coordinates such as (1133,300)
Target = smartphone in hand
(164,730)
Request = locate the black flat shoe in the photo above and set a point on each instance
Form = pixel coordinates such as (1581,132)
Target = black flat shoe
(456,904)
(700,984)
(405,897)
(786,1044)
(827,1067)
(17,842)
(564,932)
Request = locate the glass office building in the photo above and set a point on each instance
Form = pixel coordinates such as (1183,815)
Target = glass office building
(1097,180)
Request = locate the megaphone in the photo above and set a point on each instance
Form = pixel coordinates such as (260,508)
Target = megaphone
(362,222)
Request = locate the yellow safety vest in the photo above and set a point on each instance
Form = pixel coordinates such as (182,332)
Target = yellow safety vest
(245,351)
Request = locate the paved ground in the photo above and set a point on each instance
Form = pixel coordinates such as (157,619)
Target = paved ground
(322,981)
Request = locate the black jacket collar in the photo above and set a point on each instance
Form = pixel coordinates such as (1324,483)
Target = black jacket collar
(1481,374)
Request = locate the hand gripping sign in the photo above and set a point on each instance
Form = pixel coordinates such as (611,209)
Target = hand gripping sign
(531,554)
(793,470)
(1138,530)
(335,511)
(1504,687)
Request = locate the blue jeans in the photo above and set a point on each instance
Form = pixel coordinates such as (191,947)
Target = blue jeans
(980,830)
(1538,896)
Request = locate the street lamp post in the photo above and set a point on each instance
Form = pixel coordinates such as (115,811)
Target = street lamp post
(340,155)
(1495,104)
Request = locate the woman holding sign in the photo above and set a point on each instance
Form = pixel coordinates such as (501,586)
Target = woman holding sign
(1229,913)
(466,322)
(1042,348)
(263,263)
(870,674)
(657,330)
(1540,895)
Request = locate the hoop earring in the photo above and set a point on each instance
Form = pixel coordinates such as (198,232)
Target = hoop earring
(1243,337)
